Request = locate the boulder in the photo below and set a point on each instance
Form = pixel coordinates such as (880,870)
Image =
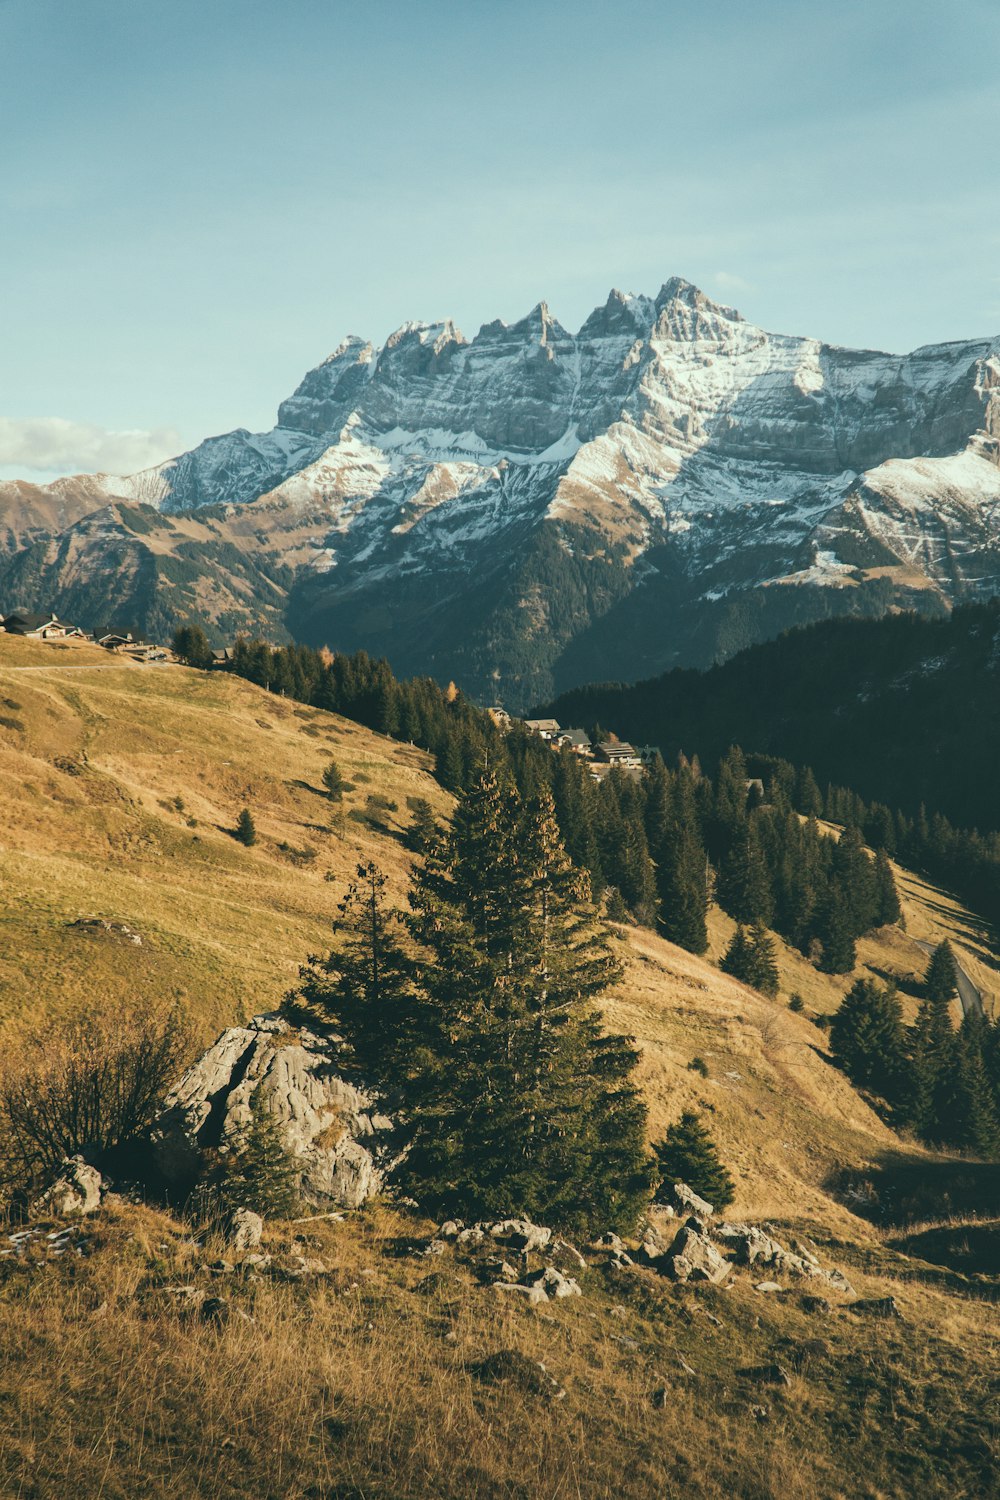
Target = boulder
(876,1307)
(519,1234)
(244,1229)
(554,1283)
(333,1127)
(76,1189)
(693,1257)
(681,1200)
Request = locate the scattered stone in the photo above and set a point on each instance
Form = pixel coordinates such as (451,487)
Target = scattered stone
(76,1189)
(876,1307)
(608,1241)
(683,1200)
(555,1284)
(434,1247)
(626,1343)
(519,1234)
(528,1375)
(772,1374)
(531,1294)
(767,1286)
(497,1270)
(567,1252)
(837,1280)
(660,1397)
(451,1229)
(244,1229)
(693,1257)
(473,1236)
(683,1365)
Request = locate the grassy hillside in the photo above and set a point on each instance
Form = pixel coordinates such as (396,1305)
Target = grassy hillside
(118,787)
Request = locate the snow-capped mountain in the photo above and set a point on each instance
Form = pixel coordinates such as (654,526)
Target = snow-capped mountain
(534,508)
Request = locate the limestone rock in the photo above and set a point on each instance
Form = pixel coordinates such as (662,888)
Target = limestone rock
(519,1234)
(244,1229)
(554,1283)
(683,1200)
(334,1128)
(76,1190)
(693,1257)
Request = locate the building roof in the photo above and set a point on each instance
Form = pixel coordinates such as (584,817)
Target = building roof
(578,737)
(25,620)
(543,726)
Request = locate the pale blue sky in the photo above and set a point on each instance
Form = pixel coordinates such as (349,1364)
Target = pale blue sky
(199,198)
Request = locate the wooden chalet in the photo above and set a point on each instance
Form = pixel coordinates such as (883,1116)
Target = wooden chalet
(37,627)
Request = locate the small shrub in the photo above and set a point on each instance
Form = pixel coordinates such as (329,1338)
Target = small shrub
(698,1065)
(261,1173)
(797,1004)
(91,1088)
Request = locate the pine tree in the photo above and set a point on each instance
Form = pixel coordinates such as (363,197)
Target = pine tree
(972,1123)
(516,1100)
(363,988)
(190,645)
(887,907)
(681,869)
(333,781)
(246,830)
(261,1172)
(855,878)
(835,932)
(424,828)
(744,888)
(932,1049)
(737,959)
(867,1039)
(762,961)
(941,978)
(688,1154)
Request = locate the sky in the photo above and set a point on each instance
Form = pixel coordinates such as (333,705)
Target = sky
(199,200)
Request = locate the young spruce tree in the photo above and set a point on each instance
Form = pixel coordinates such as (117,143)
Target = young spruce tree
(688,1154)
(516,1100)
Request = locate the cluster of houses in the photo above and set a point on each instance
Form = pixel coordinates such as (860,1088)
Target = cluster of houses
(602,755)
(48,627)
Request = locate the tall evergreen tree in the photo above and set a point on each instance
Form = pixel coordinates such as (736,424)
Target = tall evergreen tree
(246,829)
(941,978)
(887,907)
(516,1099)
(835,932)
(762,961)
(737,959)
(867,1039)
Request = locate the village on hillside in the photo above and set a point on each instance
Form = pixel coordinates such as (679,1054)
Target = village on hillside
(602,755)
(48,627)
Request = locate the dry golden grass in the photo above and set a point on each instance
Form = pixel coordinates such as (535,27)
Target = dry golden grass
(361,1382)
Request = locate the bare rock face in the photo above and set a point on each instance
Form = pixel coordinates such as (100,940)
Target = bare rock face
(76,1190)
(333,1127)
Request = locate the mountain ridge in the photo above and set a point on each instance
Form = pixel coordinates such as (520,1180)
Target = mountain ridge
(530,509)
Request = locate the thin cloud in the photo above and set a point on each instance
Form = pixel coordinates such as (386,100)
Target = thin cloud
(726,281)
(54,445)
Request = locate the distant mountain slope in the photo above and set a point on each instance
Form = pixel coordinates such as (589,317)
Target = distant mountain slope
(532,508)
(903,710)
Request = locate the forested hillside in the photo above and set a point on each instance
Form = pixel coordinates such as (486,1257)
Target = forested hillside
(904,710)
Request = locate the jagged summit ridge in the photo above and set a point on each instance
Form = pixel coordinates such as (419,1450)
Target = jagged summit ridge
(669,459)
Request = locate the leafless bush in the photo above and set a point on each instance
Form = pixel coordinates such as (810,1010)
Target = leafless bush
(91,1087)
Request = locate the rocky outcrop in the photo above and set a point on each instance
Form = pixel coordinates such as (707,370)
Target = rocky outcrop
(333,1127)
